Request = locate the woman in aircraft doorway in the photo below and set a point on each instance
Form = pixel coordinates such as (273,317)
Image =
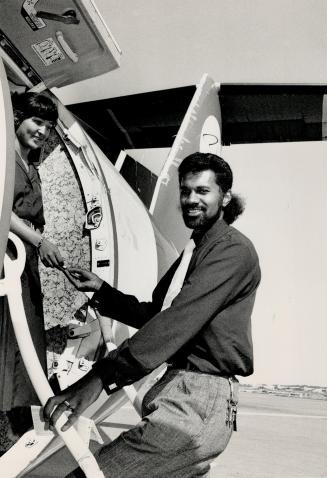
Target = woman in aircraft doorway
(34,116)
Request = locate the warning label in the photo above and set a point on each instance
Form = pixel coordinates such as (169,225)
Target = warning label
(48,51)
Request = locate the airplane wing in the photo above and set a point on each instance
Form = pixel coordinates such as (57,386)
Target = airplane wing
(272,113)
(249,113)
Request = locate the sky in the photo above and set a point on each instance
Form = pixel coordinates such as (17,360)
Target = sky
(170,43)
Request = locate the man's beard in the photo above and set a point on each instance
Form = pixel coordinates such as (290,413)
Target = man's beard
(200,221)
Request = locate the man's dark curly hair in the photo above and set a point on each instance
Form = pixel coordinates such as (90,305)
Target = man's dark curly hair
(27,105)
(197,162)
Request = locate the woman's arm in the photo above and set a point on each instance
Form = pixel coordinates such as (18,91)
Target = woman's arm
(23,231)
(49,253)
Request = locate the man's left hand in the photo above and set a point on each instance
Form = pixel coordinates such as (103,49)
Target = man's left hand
(75,399)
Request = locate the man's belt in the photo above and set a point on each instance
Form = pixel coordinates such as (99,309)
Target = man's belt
(190,367)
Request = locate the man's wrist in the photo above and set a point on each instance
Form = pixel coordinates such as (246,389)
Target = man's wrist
(98,284)
(110,388)
(99,368)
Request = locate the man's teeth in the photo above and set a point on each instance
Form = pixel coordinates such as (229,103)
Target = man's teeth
(194,211)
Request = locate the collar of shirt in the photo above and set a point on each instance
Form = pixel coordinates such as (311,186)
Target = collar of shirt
(31,173)
(217,229)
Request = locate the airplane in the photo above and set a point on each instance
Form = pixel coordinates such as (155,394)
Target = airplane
(105,222)
(92,213)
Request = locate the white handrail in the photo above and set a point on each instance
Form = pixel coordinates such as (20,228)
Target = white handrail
(129,390)
(11,286)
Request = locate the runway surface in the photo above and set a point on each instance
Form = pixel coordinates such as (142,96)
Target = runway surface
(278,437)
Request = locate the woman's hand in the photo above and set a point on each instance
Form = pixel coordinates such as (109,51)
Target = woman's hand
(74,399)
(83,280)
(50,254)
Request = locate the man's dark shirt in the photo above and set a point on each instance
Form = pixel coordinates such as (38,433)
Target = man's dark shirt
(209,322)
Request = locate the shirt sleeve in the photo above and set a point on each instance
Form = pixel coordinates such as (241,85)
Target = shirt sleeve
(228,272)
(127,308)
(122,307)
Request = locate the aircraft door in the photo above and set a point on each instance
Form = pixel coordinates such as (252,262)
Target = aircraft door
(53,41)
(79,221)
(7,161)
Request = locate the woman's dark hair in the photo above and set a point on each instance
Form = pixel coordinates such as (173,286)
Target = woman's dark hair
(197,162)
(26,105)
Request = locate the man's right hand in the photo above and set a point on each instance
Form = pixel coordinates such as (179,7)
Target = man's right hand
(74,399)
(83,280)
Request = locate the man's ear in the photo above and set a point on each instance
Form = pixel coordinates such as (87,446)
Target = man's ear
(227,198)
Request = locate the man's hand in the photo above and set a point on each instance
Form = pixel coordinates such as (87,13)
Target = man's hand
(83,280)
(50,254)
(75,399)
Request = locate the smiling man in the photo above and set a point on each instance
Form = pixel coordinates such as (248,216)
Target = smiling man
(199,323)
(202,199)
